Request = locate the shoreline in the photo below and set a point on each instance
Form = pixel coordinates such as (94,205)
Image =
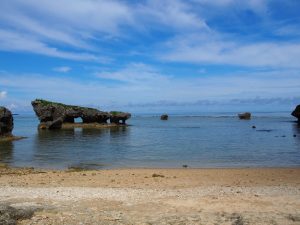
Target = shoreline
(140,176)
(234,196)
(183,167)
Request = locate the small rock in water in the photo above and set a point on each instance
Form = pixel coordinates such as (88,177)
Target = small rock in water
(294,135)
(244,116)
(253,127)
(185,166)
(283,136)
(164,117)
(264,130)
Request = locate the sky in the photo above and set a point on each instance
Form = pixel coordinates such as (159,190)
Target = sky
(151,55)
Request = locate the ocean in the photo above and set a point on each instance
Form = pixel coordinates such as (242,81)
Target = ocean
(214,140)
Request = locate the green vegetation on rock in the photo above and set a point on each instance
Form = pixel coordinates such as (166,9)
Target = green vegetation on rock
(47,103)
(114,113)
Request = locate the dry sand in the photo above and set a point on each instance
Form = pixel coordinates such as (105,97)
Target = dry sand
(155,196)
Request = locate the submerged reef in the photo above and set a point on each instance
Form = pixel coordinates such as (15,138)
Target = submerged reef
(296,113)
(53,115)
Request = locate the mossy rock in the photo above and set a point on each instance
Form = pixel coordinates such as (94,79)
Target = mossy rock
(49,103)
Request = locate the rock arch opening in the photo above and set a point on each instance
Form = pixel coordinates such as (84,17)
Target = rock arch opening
(78,120)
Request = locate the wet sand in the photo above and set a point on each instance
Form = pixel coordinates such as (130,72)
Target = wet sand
(155,196)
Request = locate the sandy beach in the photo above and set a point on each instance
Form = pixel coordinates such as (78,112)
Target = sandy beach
(154,196)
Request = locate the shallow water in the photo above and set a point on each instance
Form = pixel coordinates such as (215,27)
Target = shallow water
(197,141)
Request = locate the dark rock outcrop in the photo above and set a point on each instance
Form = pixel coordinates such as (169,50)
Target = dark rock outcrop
(51,125)
(164,117)
(52,115)
(245,116)
(6,122)
(119,117)
(10,215)
(296,113)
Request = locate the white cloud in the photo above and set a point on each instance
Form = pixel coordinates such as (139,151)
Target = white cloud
(67,16)
(62,69)
(26,24)
(212,48)
(12,106)
(138,87)
(149,83)
(287,30)
(14,41)
(259,6)
(169,13)
(43,28)
(135,73)
(3,94)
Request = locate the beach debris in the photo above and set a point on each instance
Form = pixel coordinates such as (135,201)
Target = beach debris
(294,218)
(296,113)
(185,166)
(164,117)
(52,115)
(237,219)
(157,175)
(6,122)
(244,116)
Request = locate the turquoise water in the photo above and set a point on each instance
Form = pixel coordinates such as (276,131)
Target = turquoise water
(217,140)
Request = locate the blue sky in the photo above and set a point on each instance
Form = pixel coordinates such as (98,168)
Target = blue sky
(151,55)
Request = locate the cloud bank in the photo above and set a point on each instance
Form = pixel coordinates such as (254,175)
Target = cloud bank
(123,52)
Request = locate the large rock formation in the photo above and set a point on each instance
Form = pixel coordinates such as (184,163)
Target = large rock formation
(119,117)
(245,116)
(296,113)
(6,122)
(52,115)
